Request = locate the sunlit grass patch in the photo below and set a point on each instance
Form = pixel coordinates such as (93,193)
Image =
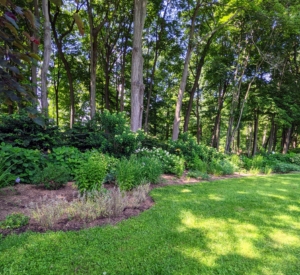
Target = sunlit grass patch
(235,226)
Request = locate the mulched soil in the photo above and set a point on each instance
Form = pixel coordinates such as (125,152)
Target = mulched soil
(21,197)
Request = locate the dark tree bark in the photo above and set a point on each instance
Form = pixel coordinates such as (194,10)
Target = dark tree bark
(215,141)
(286,139)
(255,132)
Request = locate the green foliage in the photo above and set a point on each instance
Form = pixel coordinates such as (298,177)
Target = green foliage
(198,164)
(171,163)
(51,177)
(198,174)
(282,167)
(91,173)
(20,130)
(136,171)
(6,178)
(108,133)
(187,147)
(258,162)
(14,49)
(22,162)
(216,219)
(68,157)
(220,167)
(236,161)
(151,169)
(14,220)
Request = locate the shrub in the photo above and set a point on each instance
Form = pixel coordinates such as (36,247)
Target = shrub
(91,173)
(197,164)
(68,157)
(136,171)
(198,174)
(220,167)
(22,162)
(14,220)
(151,169)
(21,131)
(170,163)
(187,147)
(51,177)
(6,178)
(281,167)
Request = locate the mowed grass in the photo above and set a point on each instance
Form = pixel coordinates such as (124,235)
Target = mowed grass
(233,226)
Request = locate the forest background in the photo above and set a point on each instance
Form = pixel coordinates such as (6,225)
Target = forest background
(225,71)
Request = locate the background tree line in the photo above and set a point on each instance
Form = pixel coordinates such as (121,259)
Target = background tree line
(226,71)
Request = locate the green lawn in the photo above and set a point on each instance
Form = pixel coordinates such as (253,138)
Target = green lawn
(232,226)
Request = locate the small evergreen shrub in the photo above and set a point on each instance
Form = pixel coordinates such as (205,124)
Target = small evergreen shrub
(14,220)
(52,177)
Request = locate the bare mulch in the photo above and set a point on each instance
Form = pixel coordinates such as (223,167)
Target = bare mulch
(21,197)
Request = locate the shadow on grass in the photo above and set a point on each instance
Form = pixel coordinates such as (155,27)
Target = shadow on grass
(236,226)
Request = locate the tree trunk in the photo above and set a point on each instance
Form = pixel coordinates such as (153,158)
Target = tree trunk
(196,82)
(150,88)
(272,133)
(94,31)
(137,86)
(35,50)
(176,123)
(199,132)
(122,84)
(46,59)
(255,133)
(157,52)
(59,42)
(93,70)
(286,139)
(215,141)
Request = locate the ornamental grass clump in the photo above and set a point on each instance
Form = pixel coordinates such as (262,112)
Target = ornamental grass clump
(87,206)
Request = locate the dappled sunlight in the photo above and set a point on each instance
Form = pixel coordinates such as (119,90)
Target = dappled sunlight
(220,236)
(272,195)
(204,257)
(281,238)
(242,192)
(294,208)
(215,197)
(186,191)
(281,190)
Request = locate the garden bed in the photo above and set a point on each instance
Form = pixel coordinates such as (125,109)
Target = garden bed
(23,198)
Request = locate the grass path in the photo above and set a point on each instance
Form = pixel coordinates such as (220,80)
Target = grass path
(233,226)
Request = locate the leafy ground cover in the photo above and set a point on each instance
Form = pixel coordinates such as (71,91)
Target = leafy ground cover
(232,226)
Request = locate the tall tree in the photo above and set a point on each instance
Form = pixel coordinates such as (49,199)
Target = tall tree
(46,58)
(137,86)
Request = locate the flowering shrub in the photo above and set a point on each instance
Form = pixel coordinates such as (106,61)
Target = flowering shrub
(170,163)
